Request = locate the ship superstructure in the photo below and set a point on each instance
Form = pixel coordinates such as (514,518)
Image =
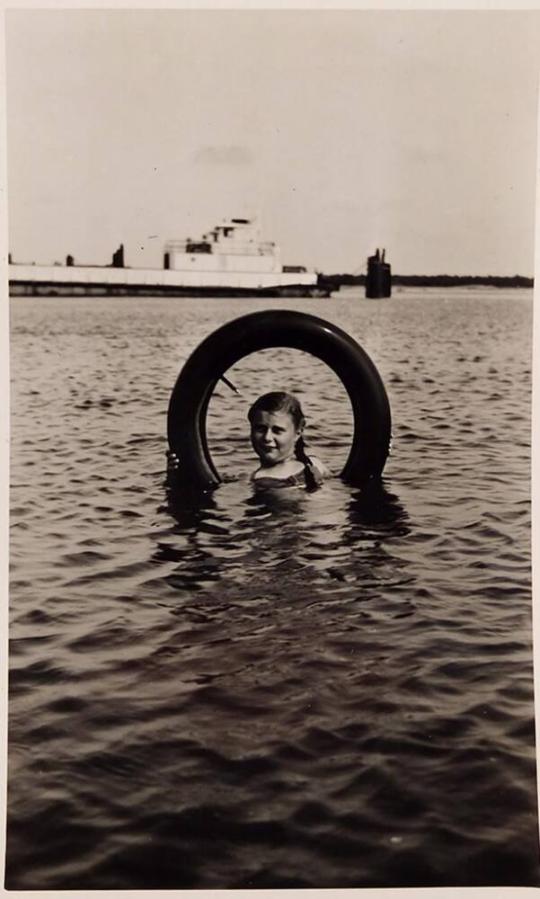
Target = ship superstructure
(234,246)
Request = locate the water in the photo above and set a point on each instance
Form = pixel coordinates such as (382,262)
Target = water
(289,690)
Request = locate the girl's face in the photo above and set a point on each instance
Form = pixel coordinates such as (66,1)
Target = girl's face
(273,436)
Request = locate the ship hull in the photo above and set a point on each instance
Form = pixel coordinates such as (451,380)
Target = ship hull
(35,280)
(43,289)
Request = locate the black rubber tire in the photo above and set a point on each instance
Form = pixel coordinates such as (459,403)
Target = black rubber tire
(188,406)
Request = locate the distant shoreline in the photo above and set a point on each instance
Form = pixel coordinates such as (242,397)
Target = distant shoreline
(344,280)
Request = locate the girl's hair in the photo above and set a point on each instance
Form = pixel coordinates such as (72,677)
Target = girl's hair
(279,401)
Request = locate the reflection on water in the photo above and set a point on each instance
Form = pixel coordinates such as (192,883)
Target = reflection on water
(335,532)
(249,689)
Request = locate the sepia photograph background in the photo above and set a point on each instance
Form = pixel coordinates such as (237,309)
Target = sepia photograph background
(328,689)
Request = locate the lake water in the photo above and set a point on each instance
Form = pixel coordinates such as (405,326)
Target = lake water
(288,690)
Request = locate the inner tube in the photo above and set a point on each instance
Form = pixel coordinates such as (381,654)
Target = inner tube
(188,405)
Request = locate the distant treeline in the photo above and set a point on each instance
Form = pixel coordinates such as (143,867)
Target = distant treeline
(436,280)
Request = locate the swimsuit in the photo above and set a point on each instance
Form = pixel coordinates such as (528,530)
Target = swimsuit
(301,479)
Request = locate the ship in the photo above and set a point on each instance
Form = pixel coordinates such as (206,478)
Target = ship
(229,260)
(379,277)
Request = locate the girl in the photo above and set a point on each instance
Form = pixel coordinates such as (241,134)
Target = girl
(277,423)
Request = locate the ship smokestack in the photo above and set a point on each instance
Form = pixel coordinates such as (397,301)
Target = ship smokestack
(118,257)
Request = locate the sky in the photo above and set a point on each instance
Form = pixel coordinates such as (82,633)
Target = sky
(341,131)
